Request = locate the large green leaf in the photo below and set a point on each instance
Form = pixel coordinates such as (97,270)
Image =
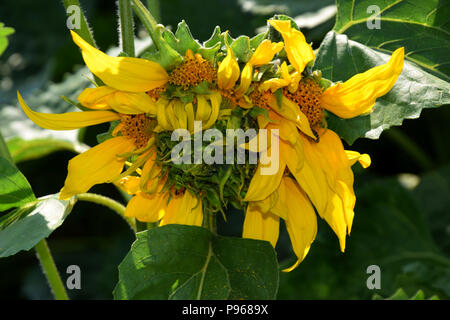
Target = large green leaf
(183,262)
(422,27)
(23,150)
(340,58)
(24,227)
(15,190)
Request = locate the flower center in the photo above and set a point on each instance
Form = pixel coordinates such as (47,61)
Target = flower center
(260,99)
(193,71)
(136,127)
(155,94)
(307,97)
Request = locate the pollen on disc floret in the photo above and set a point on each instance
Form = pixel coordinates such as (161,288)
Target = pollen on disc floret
(136,127)
(192,71)
(307,97)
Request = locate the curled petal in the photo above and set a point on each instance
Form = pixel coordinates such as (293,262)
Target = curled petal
(120,101)
(301,222)
(299,52)
(99,164)
(261,226)
(184,209)
(147,208)
(68,120)
(357,95)
(122,73)
(363,159)
(265,52)
(228,72)
(262,185)
(276,83)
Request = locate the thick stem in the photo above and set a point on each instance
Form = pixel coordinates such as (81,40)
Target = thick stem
(84,31)
(154,8)
(50,270)
(147,20)
(126,27)
(109,203)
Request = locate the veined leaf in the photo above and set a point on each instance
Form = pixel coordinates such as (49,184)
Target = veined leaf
(15,190)
(185,262)
(24,227)
(340,58)
(422,27)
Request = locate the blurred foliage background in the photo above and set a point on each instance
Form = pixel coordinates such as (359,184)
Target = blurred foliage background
(402,216)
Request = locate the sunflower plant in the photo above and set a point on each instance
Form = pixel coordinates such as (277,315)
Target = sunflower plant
(182,102)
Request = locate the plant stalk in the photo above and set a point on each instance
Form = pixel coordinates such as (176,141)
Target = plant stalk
(126,27)
(50,270)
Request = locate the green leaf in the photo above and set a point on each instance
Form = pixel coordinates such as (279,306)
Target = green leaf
(340,58)
(24,227)
(4,33)
(185,262)
(15,190)
(419,26)
(23,150)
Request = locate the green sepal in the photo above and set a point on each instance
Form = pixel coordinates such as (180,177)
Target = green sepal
(279,96)
(182,40)
(256,40)
(214,39)
(241,48)
(167,56)
(102,137)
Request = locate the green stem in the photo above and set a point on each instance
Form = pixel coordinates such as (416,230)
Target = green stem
(50,270)
(126,27)
(154,7)
(410,147)
(109,203)
(209,222)
(148,21)
(84,31)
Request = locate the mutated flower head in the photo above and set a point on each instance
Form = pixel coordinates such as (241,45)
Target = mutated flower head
(226,84)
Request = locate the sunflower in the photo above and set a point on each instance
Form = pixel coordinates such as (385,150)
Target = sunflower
(314,169)
(143,99)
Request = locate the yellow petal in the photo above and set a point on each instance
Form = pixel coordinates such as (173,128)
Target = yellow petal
(261,226)
(129,184)
(357,95)
(68,120)
(262,185)
(276,83)
(246,80)
(184,209)
(97,165)
(265,52)
(147,208)
(310,177)
(301,223)
(122,73)
(120,101)
(333,161)
(228,72)
(299,52)
(363,159)
(291,111)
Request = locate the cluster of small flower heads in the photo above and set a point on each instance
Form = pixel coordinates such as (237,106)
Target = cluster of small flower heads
(193,71)
(307,97)
(136,127)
